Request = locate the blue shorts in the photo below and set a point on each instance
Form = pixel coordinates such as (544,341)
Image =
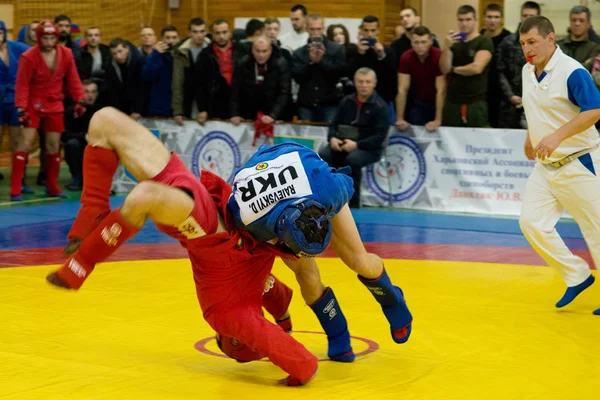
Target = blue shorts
(8,114)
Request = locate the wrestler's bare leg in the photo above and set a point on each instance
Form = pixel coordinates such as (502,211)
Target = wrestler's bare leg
(138,150)
(347,244)
(308,277)
(145,157)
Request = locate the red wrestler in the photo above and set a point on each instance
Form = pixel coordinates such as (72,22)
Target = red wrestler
(229,265)
(46,72)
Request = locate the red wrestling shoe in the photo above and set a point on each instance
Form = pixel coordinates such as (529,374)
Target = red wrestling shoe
(72,274)
(293,381)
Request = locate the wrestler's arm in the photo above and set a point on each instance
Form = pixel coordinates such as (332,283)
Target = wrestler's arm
(24,76)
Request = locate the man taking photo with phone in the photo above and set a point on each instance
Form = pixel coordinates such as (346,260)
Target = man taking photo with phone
(381,59)
(317,67)
(466,56)
(157,73)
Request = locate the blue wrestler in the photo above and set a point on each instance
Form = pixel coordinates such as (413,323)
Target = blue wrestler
(282,194)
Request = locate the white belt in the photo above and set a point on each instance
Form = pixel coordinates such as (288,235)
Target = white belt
(571,157)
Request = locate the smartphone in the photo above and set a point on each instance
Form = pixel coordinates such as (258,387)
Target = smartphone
(462,36)
(369,41)
(316,40)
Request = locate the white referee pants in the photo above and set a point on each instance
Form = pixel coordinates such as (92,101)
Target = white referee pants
(548,193)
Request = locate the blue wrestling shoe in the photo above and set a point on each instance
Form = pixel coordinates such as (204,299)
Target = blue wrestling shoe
(574,291)
(393,304)
(26,189)
(16,198)
(332,319)
(398,315)
(597,312)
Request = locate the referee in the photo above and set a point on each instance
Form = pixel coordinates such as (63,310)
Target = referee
(562,104)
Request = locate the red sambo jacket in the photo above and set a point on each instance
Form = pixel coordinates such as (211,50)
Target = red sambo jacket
(38,88)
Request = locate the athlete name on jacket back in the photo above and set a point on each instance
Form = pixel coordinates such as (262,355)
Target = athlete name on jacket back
(260,187)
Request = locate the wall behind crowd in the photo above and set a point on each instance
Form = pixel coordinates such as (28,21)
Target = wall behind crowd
(124,17)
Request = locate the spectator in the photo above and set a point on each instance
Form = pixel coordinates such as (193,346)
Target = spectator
(420,68)
(30,37)
(510,67)
(410,19)
(64,34)
(339,34)
(254,29)
(95,56)
(157,73)
(123,79)
(366,114)
(215,68)
(578,44)
(184,59)
(466,55)
(494,16)
(398,31)
(296,39)
(148,40)
(261,85)
(272,27)
(317,67)
(381,59)
(73,138)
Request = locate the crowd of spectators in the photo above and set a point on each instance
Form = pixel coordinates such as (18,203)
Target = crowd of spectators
(464,77)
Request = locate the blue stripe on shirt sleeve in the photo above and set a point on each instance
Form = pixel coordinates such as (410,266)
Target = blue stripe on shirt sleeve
(583,91)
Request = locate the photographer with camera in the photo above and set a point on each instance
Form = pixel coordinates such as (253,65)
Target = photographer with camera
(381,59)
(317,67)
(157,73)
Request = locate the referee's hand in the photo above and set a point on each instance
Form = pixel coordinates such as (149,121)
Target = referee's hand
(529,153)
(546,146)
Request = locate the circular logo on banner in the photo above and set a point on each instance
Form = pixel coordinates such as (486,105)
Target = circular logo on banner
(403,173)
(218,153)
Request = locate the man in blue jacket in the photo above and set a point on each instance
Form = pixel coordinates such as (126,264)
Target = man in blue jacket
(10,52)
(365,118)
(157,73)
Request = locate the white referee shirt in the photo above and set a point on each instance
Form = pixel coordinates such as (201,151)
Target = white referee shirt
(563,90)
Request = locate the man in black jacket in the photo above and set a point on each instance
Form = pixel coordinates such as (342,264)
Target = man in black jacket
(381,59)
(317,67)
(95,57)
(73,138)
(261,84)
(214,71)
(124,80)
(366,113)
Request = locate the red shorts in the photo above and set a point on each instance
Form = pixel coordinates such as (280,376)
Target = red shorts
(50,122)
(203,218)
